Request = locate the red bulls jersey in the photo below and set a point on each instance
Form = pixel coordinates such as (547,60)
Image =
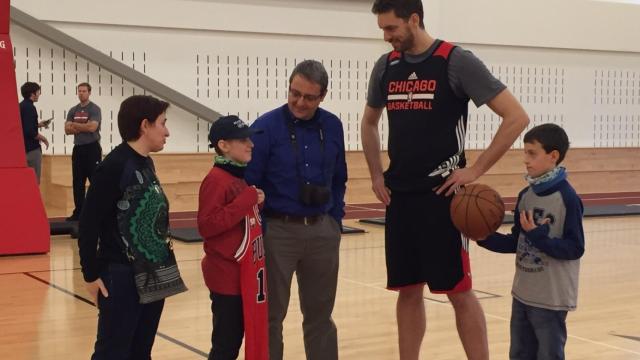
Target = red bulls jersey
(427,121)
(253,288)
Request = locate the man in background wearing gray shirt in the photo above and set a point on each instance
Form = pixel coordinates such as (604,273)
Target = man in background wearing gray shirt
(83,122)
(425,85)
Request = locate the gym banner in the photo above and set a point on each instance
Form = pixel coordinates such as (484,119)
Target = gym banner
(24,228)
(4,16)
(11,142)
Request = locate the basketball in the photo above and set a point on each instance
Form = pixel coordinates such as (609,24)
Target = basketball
(477,211)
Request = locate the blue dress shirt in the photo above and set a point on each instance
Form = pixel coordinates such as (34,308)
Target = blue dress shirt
(273,164)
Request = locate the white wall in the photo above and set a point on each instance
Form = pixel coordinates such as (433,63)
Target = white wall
(236,58)
(565,24)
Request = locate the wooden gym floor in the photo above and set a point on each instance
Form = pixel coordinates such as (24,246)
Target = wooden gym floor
(44,312)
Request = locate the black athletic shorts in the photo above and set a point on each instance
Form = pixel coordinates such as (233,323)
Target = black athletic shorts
(423,246)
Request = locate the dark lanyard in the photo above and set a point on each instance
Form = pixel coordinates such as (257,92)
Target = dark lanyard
(294,144)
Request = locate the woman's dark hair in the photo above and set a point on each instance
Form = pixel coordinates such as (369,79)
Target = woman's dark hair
(136,108)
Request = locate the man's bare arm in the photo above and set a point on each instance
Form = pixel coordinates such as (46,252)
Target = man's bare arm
(514,121)
(371,146)
(69,129)
(89,127)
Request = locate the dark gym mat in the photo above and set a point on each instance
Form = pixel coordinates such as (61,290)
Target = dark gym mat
(192,235)
(351,230)
(589,211)
(375,221)
(186,234)
(64,228)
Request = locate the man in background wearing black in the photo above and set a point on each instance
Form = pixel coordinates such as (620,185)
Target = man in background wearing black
(29,115)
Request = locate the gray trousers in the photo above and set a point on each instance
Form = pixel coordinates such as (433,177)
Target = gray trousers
(312,252)
(34,160)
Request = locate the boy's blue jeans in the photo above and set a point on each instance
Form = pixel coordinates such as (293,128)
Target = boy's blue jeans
(537,333)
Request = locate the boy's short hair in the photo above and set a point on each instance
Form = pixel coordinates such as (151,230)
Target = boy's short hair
(29,88)
(551,137)
(136,108)
(218,150)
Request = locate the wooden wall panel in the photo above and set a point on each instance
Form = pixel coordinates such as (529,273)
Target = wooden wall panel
(590,171)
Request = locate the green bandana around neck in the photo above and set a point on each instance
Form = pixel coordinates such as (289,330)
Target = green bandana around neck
(221,160)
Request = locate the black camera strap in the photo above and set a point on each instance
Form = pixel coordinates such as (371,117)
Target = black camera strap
(296,149)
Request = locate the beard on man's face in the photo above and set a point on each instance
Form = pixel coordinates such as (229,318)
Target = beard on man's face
(404,44)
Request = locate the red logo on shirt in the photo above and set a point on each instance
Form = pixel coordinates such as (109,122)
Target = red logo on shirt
(81,116)
(411,94)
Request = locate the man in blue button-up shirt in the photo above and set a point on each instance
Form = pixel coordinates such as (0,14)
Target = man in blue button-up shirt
(299,162)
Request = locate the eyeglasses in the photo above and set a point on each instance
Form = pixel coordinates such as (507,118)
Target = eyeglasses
(295,94)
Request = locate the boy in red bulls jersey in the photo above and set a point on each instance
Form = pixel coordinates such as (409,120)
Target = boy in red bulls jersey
(234,263)
(425,84)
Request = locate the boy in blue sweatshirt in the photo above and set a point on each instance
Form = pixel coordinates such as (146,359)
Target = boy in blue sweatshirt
(548,240)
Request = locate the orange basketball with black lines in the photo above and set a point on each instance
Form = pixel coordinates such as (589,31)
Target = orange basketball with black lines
(477,211)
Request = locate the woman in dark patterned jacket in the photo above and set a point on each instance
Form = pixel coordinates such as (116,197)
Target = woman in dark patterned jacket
(123,235)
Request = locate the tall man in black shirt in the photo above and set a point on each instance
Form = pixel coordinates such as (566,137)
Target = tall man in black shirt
(29,115)
(425,85)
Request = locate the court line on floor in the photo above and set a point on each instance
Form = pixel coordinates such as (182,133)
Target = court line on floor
(13,273)
(37,271)
(628,337)
(183,345)
(362,207)
(52,285)
(73,269)
(604,344)
(496,317)
(89,302)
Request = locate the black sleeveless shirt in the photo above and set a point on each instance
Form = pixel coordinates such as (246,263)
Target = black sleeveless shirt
(427,121)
